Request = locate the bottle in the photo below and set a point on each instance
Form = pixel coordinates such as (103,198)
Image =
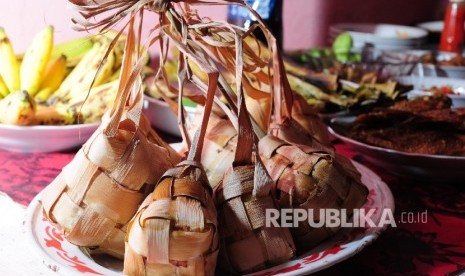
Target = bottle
(453,33)
(269,10)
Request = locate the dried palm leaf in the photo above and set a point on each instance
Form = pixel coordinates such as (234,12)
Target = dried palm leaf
(243,197)
(309,178)
(308,174)
(175,230)
(220,46)
(310,121)
(99,191)
(218,151)
(247,244)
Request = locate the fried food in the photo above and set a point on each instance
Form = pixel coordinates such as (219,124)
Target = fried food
(425,125)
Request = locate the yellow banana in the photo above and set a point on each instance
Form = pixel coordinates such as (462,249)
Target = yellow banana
(35,60)
(75,76)
(100,99)
(3,88)
(83,85)
(171,68)
(54,115)
(54,74)
(147,71)
(73,49)
(115,75)
(18,108)
(119,51)
(107,69)
(9,65)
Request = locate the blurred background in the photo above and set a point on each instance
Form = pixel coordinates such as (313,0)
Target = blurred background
(306,22)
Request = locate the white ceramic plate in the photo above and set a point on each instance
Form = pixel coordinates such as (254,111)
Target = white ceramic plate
(67,259)
(162,117)
(44,138)
(383,36)
(432,26)
(418,167)
(420,84)
(432,70)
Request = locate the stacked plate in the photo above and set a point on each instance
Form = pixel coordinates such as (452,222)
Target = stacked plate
(422,87)
(432,26)
(382,36)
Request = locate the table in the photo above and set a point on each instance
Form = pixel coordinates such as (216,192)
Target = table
(436,247)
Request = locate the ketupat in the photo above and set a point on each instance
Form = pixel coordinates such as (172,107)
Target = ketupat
(175,232)
(99,191)
(310,178)
(161,244)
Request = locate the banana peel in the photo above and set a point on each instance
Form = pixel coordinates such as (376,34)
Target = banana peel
(54,74)
(100,99)
(54,115)
(35,60)
(9,65)
(18,108)
(3,88)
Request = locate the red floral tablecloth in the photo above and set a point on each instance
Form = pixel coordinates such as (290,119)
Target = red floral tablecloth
(436,247)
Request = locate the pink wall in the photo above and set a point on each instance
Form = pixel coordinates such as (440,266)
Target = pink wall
(23,18)
(306,21)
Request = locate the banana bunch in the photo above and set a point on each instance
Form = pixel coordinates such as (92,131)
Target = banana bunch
(68,83)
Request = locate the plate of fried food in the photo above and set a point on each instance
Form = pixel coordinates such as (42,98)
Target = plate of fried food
(338,80)
(420,138)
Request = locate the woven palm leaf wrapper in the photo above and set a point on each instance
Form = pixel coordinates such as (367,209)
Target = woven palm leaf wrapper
(99,191)
(308,174)
(309,120)
(219,147)
(175,230)
(261,78)
(243,197)
(308,178)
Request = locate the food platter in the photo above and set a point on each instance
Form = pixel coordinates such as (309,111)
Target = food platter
(424,167)
(44,138)
(67,259)
(457,100)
